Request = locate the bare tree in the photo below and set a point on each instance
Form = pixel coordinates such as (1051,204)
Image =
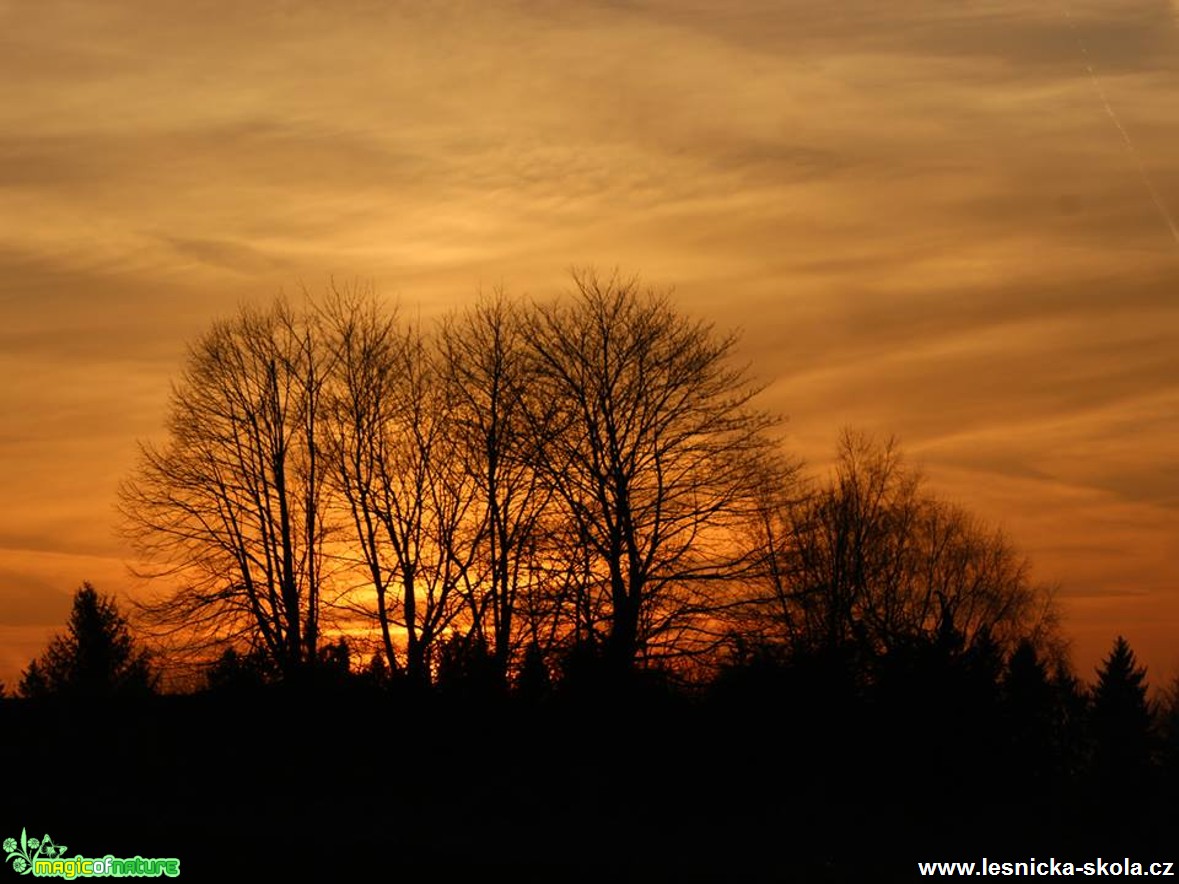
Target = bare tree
(569,474)
(396,466)
(231,507)
(650,448)
(871,561)
(488,400)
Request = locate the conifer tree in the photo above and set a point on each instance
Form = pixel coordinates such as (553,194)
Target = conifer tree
(1121,719)
(97,657)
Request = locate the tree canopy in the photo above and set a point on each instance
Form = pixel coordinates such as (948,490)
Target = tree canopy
(96,657)
(231,507)
(1122,718)
(584,478)
(870,562)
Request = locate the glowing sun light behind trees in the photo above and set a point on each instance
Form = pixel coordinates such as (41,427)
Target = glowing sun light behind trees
(232,508)
(654,454)
(581,477)
(409,503)
(534,475)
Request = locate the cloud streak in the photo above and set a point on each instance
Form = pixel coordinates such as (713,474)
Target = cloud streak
(920,213)
(1164,211)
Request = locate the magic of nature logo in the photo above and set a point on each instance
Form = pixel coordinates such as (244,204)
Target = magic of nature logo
(44,858)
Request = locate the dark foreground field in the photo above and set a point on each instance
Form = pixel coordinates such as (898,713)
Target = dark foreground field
(633,784)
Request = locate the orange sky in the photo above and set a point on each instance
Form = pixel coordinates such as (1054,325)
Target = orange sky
(930,219)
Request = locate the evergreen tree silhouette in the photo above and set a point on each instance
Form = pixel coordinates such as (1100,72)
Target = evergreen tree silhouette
(1169,720)
(236,671)
(1029,704)
(1121,724)
(95,658)
(467,667)
(377,672)
(533,682)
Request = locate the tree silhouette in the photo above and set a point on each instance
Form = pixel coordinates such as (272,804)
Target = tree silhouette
(1169,720)
(569,474)
(870,562)
(395,466)
(533,681)
(1030,704)
(1121,721)
(232,506)
(96,657)
(484,359)
(650,448)
(237,671)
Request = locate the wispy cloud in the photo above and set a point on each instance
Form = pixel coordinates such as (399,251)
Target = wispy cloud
(919,211)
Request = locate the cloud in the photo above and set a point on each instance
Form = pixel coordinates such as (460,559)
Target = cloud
(226,254)
(920,212)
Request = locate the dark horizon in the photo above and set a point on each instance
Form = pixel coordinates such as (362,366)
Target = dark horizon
(951,225)
(781,769)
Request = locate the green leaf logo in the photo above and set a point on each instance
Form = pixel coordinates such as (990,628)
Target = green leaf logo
(23,855)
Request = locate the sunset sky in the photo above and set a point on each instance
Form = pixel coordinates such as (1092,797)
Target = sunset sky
(954,222)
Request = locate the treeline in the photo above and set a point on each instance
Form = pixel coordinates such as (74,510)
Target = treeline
(785,763)
(528,486)
(538,583)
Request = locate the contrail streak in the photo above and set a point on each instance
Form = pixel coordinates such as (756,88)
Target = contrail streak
(1130,148)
